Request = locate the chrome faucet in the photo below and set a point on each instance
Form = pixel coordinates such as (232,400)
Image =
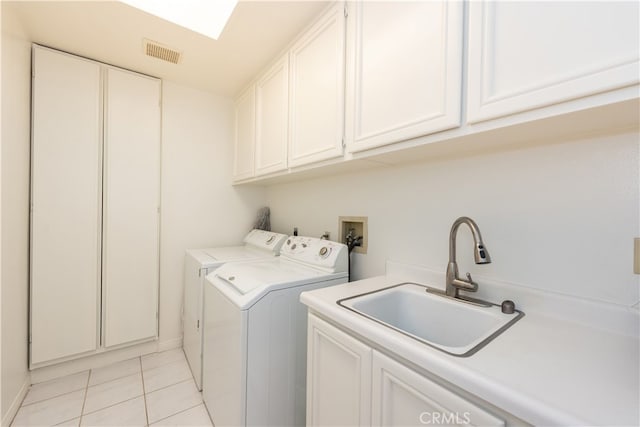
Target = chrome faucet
(453,283)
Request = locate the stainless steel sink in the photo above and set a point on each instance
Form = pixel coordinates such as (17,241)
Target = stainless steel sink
(448,324)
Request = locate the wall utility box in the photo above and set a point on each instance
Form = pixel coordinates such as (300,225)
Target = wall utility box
(359,226)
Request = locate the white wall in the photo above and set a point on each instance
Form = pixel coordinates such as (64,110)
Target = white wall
(16,81)
(200,208)
(558,217)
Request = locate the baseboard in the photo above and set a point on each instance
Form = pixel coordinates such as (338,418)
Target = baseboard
(170,344)
(17,401)
(104,358)
(50,372)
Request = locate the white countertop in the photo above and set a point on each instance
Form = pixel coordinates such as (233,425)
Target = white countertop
(545,369)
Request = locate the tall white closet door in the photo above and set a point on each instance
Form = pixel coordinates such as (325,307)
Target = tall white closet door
(131,194)
(66,206)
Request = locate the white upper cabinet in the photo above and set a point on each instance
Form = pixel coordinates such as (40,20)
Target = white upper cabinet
(526,55)
(375,77)
(272,114)
(245,135)
(404,70)
(316,123)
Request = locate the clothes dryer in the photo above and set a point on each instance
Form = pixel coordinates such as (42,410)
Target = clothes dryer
(258,244)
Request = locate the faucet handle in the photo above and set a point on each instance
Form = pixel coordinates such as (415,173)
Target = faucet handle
(473,286)
(470,279)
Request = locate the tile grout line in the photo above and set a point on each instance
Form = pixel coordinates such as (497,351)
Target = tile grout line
(55,397)
(116,403)
(144,393)
(22,404)
(88,385)
(84,401)
(115,378)
(171,385)
(180,412)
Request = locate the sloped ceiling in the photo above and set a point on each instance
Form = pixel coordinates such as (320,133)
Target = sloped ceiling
(113,32)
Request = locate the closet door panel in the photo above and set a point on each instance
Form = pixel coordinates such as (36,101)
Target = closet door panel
(66,206)
(131,194)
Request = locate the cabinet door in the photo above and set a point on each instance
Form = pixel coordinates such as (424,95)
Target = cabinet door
(66,207)
(272,115)
(317,91)
(245,135)
(525,55)
(404,70)
(131,194)
(338,377)
(402,397)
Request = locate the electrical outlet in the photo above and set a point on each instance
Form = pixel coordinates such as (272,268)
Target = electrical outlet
(636,255)
(360,228)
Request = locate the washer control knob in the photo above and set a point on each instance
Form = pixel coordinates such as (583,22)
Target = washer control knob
(294,246)
(231,278)
(324,252)
(270,240)
(288,241)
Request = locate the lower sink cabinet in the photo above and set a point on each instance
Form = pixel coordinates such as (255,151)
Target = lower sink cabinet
(401,396)
(349,383)
(338,377)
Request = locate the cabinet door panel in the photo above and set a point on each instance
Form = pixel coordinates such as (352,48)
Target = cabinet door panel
(525,55)
(272,114)
(402,397)
(338,377)
(131,208)
(245,135)
(317,91)
(403,72)
(65,220)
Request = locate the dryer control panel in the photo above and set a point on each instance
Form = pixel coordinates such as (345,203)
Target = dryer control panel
(316,252)
(267,240)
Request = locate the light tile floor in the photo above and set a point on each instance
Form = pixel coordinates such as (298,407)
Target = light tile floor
(152,390)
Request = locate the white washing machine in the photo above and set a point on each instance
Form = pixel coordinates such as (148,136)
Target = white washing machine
(259,244)
(255,346)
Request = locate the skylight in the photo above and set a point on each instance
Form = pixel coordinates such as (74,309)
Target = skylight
(206,17)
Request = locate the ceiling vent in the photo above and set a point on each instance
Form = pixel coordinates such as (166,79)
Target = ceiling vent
(157,50)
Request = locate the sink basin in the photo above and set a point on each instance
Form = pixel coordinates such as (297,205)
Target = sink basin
(456,327)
